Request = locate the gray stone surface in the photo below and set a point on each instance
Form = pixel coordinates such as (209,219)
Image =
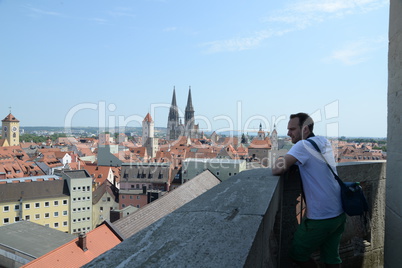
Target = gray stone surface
(393,216)
(217,229)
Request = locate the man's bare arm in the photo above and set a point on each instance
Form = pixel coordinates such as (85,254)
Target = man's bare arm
(282,164)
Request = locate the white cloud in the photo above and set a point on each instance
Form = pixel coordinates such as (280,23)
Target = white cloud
(170,29)
(356,52)
(37,11)
(297,16)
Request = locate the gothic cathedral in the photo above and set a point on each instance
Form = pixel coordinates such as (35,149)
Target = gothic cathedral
(175,128)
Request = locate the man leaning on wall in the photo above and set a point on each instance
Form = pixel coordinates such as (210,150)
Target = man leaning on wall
(324,223)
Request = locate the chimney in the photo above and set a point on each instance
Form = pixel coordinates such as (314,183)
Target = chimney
(82,241)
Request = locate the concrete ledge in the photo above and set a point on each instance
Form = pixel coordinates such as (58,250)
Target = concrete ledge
(228,226)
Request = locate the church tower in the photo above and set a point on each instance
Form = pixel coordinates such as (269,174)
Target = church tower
(148,139)
(173,120)
(274,140)
(11,130)
(261,134)
(189,116)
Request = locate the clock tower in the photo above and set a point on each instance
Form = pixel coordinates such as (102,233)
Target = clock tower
(11,130)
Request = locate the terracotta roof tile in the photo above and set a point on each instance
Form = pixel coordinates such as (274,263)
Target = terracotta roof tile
(70,254)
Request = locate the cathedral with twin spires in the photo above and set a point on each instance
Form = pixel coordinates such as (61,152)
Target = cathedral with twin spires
(175,127)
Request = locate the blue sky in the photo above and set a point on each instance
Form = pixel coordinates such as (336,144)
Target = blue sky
(109,63)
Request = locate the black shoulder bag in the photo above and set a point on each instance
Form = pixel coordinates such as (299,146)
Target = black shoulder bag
(354,202)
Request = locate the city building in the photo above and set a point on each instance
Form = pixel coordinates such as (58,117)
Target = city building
(143,175)
(222,168)
(80,250)
(175,128)
(24,241)
(80,186)
(43,200)
(11,130)
(105,199)
(148,138)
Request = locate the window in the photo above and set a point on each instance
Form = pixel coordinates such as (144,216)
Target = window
(27,206)
(56,203)
(138,197)
(74,188)
(56,214)
(123,197)
(6,209)
(65,213)
(108,199)
(74,199)
(64,202)
(65,223)
(47,215)
(6,220)
(27,217)
(56,225)
(88,188)
(16,219)
(74,209)
(17,207)
(37,216)
(37,205)
(47,204)
(101,208)
(131,197)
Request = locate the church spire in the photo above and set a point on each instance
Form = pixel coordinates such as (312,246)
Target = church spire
(173,112)
(189,106)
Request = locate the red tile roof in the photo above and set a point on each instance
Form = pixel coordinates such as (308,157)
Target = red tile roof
(148,118)
(10,118)
(70,254)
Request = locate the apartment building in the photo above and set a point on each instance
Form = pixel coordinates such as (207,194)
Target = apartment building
(43,200)
(79,183)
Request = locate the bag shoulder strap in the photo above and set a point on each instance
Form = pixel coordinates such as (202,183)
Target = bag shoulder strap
(318,150)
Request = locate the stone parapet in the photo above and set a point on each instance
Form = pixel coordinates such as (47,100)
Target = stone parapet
(248,221)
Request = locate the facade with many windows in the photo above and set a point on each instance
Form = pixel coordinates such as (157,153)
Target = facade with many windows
(80,187)
(43,200)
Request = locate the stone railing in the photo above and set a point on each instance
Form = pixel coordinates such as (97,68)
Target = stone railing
(248,221)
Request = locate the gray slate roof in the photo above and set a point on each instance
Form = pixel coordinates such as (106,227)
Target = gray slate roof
(161,207)
(12,192)
(32,238)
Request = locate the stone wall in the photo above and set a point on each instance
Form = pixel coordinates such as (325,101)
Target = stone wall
(248,221)
(393,235)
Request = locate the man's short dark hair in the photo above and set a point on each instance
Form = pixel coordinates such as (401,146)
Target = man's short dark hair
(304,119)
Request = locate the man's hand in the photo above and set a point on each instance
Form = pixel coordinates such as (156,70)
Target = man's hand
(282,164)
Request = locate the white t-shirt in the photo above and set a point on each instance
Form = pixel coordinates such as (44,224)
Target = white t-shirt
(321,190)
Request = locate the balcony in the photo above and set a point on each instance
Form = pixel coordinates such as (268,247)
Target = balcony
(248,221)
